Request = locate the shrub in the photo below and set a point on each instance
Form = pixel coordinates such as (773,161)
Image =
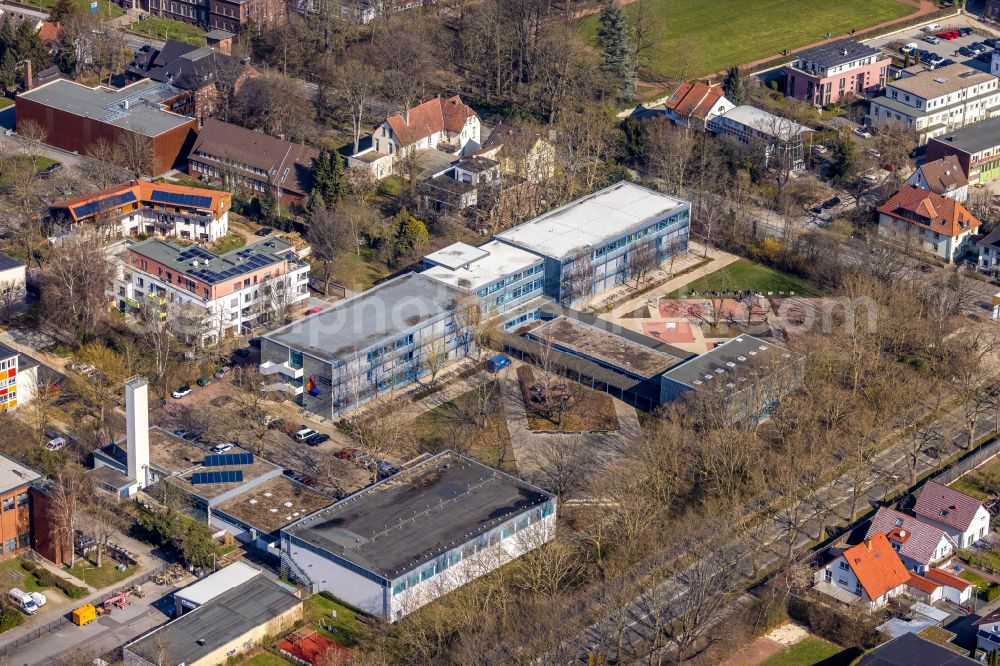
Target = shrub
(46,578)
(992,592)
(835,625)
(10,617)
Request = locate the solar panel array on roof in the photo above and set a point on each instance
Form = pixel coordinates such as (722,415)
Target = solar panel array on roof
(195,252)
(227,459)
(222,476)
(108,202)
(181,199)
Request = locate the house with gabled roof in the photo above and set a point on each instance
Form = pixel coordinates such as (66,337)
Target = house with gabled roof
(447,126)
(693,104)
(919,545)
(962,517)
(942,176)
(869,573)
(934,223)
(956,590)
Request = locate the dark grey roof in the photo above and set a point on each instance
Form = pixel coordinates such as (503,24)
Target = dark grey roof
(725,358)
(974,138)
(217,623)
(23,361)
(912,650)
(219,34)
(378,314)
(116,453)
(110,477)
(7,262)
(836,53)
(211,268)
(410,518)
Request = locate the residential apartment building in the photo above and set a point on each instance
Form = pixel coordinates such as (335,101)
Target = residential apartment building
(933,223)
(963,518)
(597,242)
(935,102)
(782,140)
(502,277)
(448,126)
(399,544)
(208,297)
(147,208)
(828,73)
(977,148)
(19,381)
(369,344)
(239,158)
(694,104)
(943,176)
(16,481)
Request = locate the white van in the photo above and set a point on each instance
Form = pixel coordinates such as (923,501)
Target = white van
(23,601)
(909,47)
(933,27)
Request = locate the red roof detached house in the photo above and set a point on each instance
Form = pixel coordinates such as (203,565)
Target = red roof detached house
(940,225)
(696,103)
(877,566)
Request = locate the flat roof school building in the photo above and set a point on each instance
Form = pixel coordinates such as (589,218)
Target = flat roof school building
(407,540)
(76,117)
(592,244)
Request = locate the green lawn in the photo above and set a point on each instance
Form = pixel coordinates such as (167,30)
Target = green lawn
(810,651)
(6,102)
(349,629)
(104,8)
(106,576)
(12,575)
(698,37)
(744,274)
(356,271)
(974,578)
(163,28)
(228,243)
(979,482)
(265,659)
(22,163)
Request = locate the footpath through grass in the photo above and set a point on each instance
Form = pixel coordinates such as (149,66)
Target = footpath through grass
(743,274)
(809,651)
(700,37)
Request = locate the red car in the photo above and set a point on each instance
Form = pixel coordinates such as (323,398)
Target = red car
(344,454)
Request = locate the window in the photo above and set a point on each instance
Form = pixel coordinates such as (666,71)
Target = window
(22,499)
(8,503)
(24,540)
(844,566)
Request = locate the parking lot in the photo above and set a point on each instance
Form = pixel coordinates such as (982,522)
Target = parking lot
(947,49)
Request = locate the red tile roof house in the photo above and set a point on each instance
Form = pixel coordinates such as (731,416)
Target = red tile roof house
(869,574)
(963,518)
(936,224)
(920,546)
(448,126)
(694,104)
(825,74)
(956,590)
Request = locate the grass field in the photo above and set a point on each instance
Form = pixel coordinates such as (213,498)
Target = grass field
(978,482)
(699,38)
(349,629)
(974,578)
(104,8)
(102,577)
(162,28)
(743,274)
(265,659)
(6,102)
(228,243)
(809,651)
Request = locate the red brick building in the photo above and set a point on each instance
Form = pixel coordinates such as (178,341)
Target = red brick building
(76,118)
(15,507)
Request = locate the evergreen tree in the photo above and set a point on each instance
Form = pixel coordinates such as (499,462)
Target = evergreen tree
(62,10)
(329,182)
(734,85)
(7,36)
(844,158)
(994,658)
(8,69)
(615,38)
(29,46)
(411,233)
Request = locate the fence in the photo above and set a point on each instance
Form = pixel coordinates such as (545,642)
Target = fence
(64,620)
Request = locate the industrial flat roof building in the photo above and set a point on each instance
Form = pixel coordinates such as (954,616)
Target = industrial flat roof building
(76,117)
(228,624)
(415,536)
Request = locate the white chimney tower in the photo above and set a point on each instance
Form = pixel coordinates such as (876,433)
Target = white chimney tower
(137,428)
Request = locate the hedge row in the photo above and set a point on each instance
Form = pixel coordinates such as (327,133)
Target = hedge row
(834,624)
(46,578)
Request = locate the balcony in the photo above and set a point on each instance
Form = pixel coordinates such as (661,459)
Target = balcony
(286,369)
(286,387)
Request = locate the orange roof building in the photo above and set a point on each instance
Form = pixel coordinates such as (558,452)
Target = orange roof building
(442,124)
(934,223)
(696,103)
(143,207)
(870,573)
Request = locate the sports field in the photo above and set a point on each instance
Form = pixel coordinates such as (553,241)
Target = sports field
(705,37)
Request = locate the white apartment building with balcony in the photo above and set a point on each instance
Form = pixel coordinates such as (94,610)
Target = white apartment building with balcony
(935,102)
(208,297)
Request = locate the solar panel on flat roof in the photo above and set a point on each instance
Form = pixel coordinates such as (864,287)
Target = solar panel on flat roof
(182,199)
(222,476)
(228,459)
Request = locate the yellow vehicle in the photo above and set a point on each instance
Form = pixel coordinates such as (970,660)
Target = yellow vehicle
(84,614)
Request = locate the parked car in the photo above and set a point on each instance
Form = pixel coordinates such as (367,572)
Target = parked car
(264,231)
(55,443)
(820,150)
(345,453)
(965,32)
(180,392)
(23,601)
(222,448)
(931,39)
(317,439)
(935,59)
(204,380)
(992,42)
(831,203)
(944,35)
(870,178)
(498,363)
(862,132)
(222,372)
(188,434)
(275,424)
(966,51)
(932,27)
(303,434)
(314,310)
(38,598)
(944,63)
(50,169)
(242,352)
